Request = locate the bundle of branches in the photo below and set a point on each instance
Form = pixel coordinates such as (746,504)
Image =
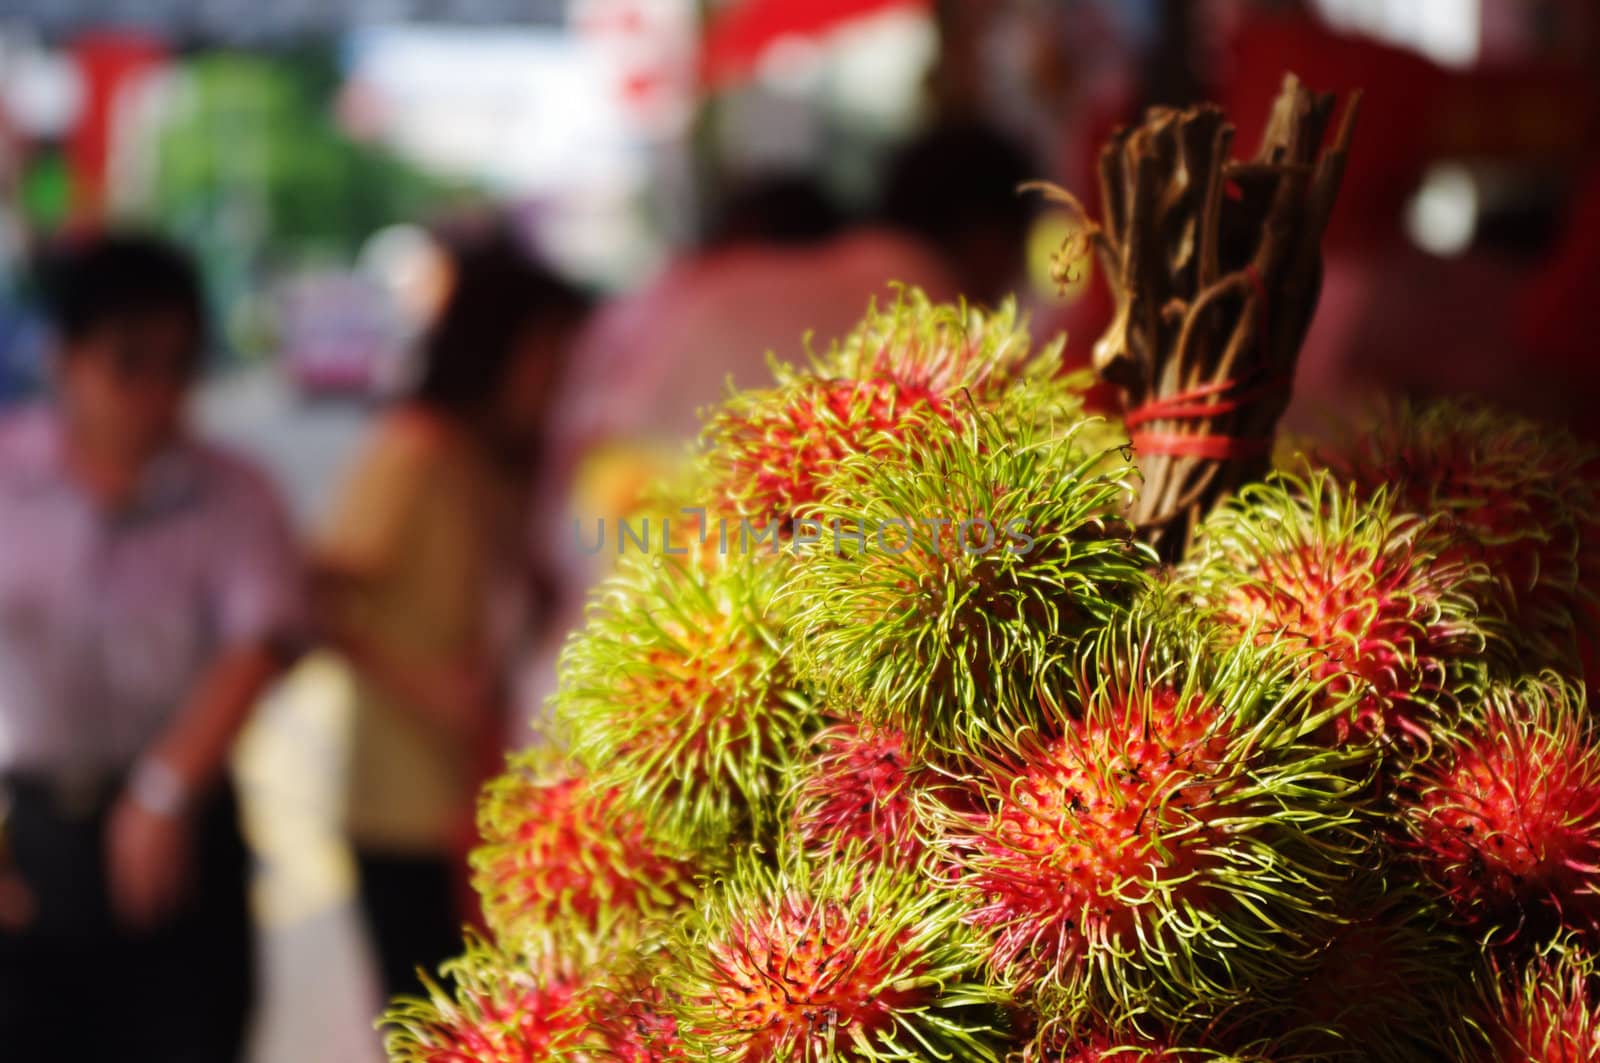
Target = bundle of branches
(1215,265)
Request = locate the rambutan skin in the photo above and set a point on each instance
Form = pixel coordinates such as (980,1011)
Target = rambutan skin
(1387,987)
(679,694)
(1519,496)
(498,1007)
(985,555)
(839,962)
(1547,1012)
(856,791)
(1171,843)
(1315,569)
(901,369)
(1505,819)
(1090,1038)
(630,1020)
(557,853)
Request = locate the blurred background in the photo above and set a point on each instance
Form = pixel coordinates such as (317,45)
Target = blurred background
(723,177)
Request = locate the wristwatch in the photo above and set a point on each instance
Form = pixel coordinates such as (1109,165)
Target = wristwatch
(156,788)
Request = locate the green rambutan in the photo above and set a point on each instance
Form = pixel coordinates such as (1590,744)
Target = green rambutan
(856,792)
(945,593)
(1169,843)
(678,694)
(1505,821)
(836,962)
(1520,496)
(500,1007)
(1547,1013)
(1312,568)
(557,852)
(900,369)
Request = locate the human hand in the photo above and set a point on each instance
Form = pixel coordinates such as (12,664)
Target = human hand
(147,863)
(17,906)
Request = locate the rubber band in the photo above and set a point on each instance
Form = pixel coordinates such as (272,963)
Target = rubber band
(1212,447)
(1207,400)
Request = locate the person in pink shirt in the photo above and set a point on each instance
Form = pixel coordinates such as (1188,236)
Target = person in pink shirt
(149,592)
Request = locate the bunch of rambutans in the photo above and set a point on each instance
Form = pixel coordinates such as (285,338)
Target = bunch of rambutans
(907,749)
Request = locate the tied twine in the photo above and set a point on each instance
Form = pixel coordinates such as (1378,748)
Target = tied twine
(1193,404)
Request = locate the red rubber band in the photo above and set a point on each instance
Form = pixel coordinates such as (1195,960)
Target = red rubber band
(1193,405)
(1213,447)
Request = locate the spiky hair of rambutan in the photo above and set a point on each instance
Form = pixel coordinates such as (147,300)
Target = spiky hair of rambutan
(682,515)
(1131,1048)
(837,962)
(499,1006)
(856,791)
(559,855)
(1520,496)
(1505,819)
(1170,842)
(677,693)
(1312,568)
(1090,1038)
(630,1020)
(902,368)
(1386,987)
(1549,1012)
(981,555)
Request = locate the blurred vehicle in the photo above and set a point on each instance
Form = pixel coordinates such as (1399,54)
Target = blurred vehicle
(339,334)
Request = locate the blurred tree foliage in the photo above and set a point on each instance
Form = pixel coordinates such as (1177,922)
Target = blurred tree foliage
(249,165)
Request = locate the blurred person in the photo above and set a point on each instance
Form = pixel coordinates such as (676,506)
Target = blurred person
(427,584)
(957,190)
(149,593)
(779,270)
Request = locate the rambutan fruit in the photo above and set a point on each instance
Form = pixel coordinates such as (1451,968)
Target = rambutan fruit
(836,962)
(1109,1048)
(1505,819)
(856,791)
(557,853)
(498,1007)
(630,1020)
(948,585)
(1387,986)
(1170,842)
(1547,1013)
(900,370)
(1088,1038)
(1520,496)
(1311,568)
(678,694)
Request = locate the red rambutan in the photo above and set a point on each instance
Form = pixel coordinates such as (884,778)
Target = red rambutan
(556,852)
(1097,1041)
(1548,1014)
(1520,496)
(773,449)
(1506,819)
(1104,1048)
(830,963)
(499,1007)
(1386,988)
(1309,568)
(1170,843)
(856,791)
(632,1022)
